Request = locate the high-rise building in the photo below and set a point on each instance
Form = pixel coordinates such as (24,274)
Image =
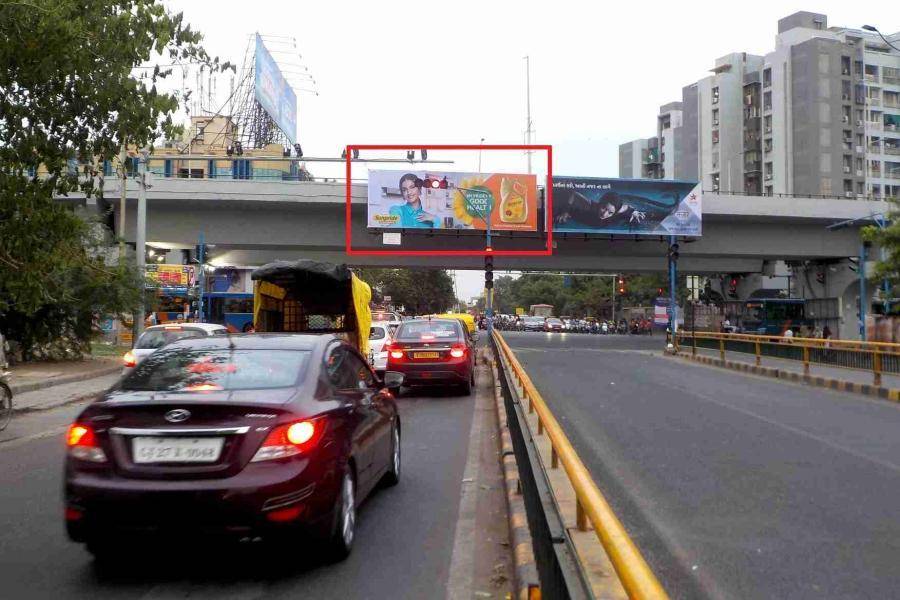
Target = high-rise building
(655,157)
(820,115)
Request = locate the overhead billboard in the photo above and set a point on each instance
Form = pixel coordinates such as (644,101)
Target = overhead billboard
(444,200)
(274,93)
(171,278)
(626,206)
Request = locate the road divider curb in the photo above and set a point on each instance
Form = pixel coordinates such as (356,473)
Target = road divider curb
(830,383)
(527,582)
(33,386)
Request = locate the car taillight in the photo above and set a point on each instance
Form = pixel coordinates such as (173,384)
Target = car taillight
(458,351)
(82,444)
(290,439)
(129,359)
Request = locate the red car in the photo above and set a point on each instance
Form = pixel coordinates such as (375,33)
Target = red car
(432,352)
(269,435)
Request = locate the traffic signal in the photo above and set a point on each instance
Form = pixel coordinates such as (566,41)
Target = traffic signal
(659,292)
(432,184)
(732,287)
(820,277)
(673,252)
(489,272)
(444,183)
(621,285)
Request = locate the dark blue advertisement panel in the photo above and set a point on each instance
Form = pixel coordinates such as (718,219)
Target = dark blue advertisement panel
(626,206)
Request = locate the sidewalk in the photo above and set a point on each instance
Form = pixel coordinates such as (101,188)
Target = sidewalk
(795,366)
(62,394)
(29,377)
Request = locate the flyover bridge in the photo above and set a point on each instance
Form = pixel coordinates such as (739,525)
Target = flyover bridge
(253,222)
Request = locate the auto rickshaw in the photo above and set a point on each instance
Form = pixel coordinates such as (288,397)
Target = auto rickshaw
(308,296)
(466,318)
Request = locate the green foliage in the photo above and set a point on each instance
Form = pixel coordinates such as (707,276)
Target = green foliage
(889,239)
(68,95)
(420,290)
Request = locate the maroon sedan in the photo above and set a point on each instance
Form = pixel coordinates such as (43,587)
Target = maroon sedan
(432,352)
(268,435)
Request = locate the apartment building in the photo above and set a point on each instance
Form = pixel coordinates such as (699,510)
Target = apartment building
(655,157)
(819,115)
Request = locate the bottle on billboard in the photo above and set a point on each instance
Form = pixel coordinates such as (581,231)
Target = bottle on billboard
(513,201)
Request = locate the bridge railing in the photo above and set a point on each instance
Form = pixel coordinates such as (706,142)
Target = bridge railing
(877,357)
(637,579)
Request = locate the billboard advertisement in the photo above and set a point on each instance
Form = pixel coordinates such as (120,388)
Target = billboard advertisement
(171,278)
(442,200)
(273,93)
(626,206)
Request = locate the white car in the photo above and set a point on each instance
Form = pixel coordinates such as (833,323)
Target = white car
(380,334)
(158,336)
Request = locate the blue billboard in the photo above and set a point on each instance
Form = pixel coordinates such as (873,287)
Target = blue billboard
(626,206)
(274,93)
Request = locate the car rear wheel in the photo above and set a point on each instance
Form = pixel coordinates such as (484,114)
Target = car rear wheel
(392,477)
(343,531)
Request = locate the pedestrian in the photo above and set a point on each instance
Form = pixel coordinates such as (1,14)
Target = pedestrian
(788,335)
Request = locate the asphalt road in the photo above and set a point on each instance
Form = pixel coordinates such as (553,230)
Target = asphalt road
(733,486)
(405,534)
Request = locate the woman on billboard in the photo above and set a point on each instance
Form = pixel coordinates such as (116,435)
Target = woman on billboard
(613,211)
(411,212)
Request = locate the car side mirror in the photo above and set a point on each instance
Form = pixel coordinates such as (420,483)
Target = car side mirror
(393,379)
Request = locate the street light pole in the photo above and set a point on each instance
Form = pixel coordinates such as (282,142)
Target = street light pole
(140,237)
(479,156)
(528,109)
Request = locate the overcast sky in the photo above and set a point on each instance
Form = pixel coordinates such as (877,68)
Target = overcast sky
(453,72)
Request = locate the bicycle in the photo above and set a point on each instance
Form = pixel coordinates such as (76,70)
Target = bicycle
(6,400)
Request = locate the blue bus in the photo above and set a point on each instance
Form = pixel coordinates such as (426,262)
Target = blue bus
(231,309)
(772,316)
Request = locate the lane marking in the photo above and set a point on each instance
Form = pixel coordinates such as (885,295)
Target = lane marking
(792,429)
(462,559)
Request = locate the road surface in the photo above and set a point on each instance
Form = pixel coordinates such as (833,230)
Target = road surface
(733,486)
(404,546)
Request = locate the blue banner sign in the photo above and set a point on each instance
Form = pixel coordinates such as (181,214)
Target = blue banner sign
(273,93)
(626,206)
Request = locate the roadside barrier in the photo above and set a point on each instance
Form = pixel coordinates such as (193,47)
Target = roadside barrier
(635,574)
(877,357)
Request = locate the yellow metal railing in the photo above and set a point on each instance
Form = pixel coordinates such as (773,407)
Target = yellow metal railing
(876,357)
(635,574)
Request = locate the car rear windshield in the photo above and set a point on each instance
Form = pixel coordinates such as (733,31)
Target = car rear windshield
(425,330)
(157,338)
(189,369)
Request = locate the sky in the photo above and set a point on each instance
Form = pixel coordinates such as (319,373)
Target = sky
(442,72)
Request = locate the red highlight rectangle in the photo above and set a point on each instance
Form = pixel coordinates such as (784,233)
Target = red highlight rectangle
(548,204)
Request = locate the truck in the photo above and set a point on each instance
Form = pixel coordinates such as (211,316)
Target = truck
(541,310)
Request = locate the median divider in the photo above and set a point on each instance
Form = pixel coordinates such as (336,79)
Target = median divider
(555,544)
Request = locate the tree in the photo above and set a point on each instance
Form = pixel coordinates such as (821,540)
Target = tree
(889,239)
(68,96)
(420,290)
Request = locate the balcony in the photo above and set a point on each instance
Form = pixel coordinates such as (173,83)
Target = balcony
(871,77)
(753,166)
(847,169)
(859,149)
(874,149)
(874,101)
(892,150)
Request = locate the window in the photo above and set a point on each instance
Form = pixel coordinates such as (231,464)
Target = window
(767,101)
(377,333)
(768,190)
(860,188)
(157,338)
(848,186)
(715,136)
(845,65)
(423,330)
(767,77)
(212,369)
(347,371)
(715,95)
(715,117)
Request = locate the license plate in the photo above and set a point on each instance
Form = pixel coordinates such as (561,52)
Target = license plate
(426,354)
(176,450)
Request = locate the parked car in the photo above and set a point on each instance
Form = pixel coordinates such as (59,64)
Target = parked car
(158,336)
(276,436)
(432,352)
